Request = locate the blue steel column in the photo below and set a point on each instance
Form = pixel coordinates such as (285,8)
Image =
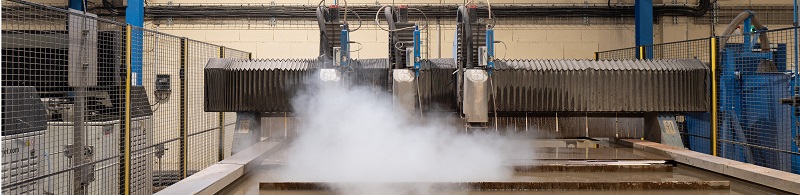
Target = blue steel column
(134,15)
(76,5)
(644,26)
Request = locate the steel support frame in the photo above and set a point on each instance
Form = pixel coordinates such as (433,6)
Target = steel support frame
(126,135)
(221,140)
(184,105)
(714,96)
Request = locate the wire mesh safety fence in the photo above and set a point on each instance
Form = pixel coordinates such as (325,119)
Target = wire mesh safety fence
(202,137)
(618,54)
(756,71)
(696,129)
(62,110)
(75,122)
(160,69)
(754,84)
(229,118)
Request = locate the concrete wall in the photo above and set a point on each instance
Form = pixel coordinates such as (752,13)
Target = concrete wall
(299,39)
(287,39)
(522,41)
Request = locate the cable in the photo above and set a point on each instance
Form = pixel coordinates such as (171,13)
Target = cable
(401,45)
(359,46)
(110,7)
(345,15)
(378,23)
(426,18)
(489,4)
(157,104)
(505,48)
(359,22)
(345,11)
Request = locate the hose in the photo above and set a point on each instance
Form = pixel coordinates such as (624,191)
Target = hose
(360,46)
(378,23)
(345,11)
(359,22)
(426,18)
(738,20)
(505,49)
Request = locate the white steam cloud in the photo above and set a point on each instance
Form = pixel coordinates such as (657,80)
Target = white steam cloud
(353,135)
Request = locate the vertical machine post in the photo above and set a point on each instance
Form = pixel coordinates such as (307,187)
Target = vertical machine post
(714,96)
(221,140)
(746,30)
(345,46)
(184,131)
(82,71)
(127,127)
(489,50)
(247,131)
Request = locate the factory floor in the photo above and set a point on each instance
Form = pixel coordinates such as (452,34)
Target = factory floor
(554,152)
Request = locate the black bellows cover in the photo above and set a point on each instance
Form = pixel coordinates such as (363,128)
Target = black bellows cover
(601,86)
(267,85)
(520,85)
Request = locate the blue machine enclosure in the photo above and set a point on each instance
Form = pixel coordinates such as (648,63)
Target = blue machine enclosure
(754,126)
